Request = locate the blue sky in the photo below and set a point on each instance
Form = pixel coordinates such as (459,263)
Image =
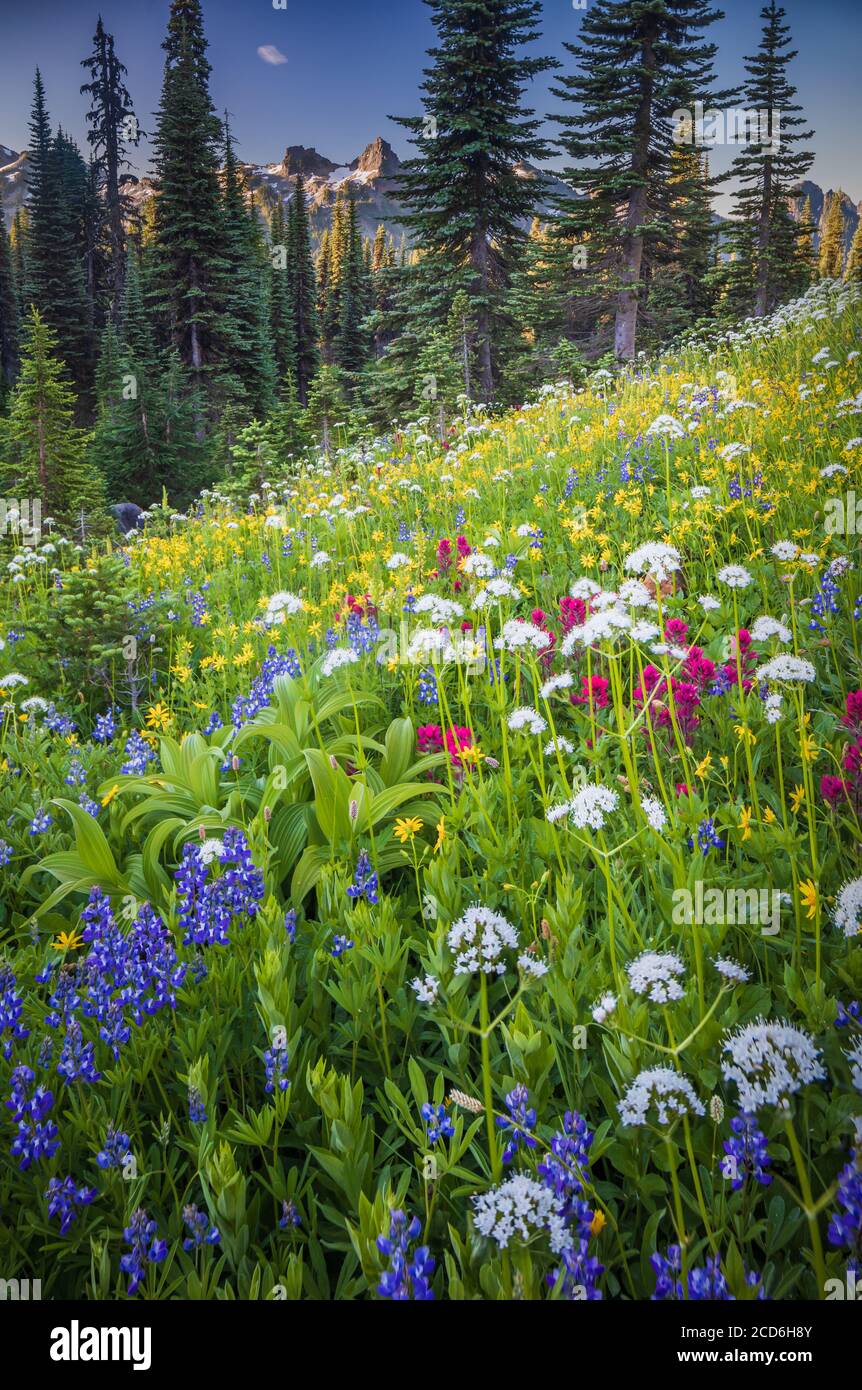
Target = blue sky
(352,63)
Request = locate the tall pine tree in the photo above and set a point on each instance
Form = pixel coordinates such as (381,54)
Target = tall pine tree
(466,201)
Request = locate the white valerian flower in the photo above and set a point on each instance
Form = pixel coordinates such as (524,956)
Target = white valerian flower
(854,1057)
(560,811)
(772,707)
(562,682)
(439,610)
(636,594)
(338,657)
(765,627)
(34,705)
(735,576)
(666,426)
(654,812)
(591,805)
(584,588)
(667,1090)
(604,1007)
(517,635)
(643,631)
(832,470)
(495,590)
(699,493)
(527,718)
(604,626)
(558,744)
(656,559)
(732,970)
(785,550)
(787,668)
(532,965)
(521,1207)
(770,1061)
(319,560)
(655,974)
(426,990)
(482,566)
(847,912)
(709,603)
(397,560)
(14,678)
(479,939)
(281,606)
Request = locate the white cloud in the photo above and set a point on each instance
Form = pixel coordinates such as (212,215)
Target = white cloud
(270,54)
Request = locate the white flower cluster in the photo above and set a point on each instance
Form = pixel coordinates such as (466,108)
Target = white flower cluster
(281,606)
(847,912)
(732,970)
(667,426)
(655,974)
(520,1207)
(662,1087)
(656,559)
(770,1061)
(591,805)
(426,990)
(735,576)
(516,635)
(440,610)
(478,940)
(765,627)
(854,1057)
(604,1007)
(338,657)
(527,718)
(654,812)
(785,667)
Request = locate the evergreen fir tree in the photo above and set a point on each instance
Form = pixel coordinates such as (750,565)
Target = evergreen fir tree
(638,64)
(351,345)
(113,126)
(831,260)
(326,401)
(301,280)
(46,451)
(853,270)
(18,251)
(465,200)
(55,241)
(189,223)
(8,314)
(246,370)
(281,326)
(763,235)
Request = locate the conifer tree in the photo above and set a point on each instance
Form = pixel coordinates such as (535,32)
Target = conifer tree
(351,345)
(189,232)
(8,314)
(853,270)
(113,126)
(465,201)
(18,251)
(831,260)
(246,370)
(45,450)
(281,326)
(763,235)
(303,291)
(326,401)
(638,64)
(55,241)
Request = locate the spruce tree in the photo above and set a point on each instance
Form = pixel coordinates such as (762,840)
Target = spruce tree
(55,241)
(189,232)
(113,126)
(326,401)
(639,62)
(831,259)
(853,270)
(46,452)
(351,345)
(763,235)
(281,326)
(465,200)
(303,293)
(246,370)
(8,314)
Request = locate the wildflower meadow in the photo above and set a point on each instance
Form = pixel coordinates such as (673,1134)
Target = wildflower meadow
(437,876)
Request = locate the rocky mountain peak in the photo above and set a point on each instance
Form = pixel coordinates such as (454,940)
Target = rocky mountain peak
(300,160)
(378,160)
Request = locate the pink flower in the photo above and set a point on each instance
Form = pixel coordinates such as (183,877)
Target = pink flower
(833,790)
(456,739)
(429,738)
(598,687)
(573,612)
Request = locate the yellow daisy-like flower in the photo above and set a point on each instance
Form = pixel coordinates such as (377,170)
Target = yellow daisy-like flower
(407,827)
(67,941)
(441,833)
(158,716)
(473,754)
(703,768)
(809,898)
(745,822)
(797,798)
(109,796)
(742,731)
(769,815)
